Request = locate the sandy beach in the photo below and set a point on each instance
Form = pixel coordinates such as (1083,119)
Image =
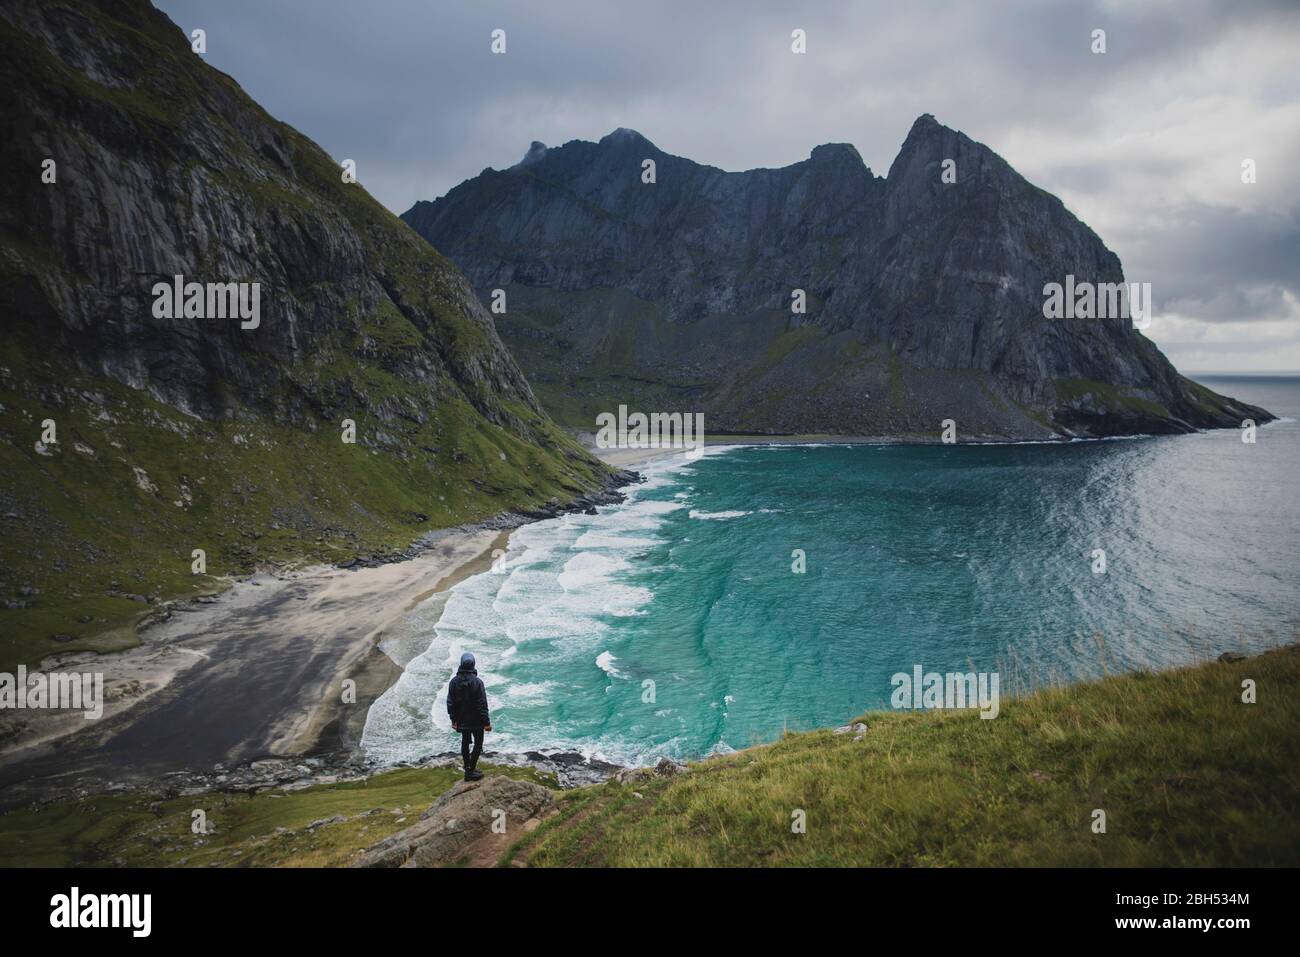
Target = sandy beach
(257,672)
(631,458)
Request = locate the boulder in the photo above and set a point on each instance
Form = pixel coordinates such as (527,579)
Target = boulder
(666,768)
(458,819)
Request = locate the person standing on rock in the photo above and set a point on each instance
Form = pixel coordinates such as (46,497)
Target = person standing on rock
(468,709)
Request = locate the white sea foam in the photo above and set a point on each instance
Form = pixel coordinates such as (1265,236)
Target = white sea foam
(605,662)
(716,516)
(588,568)
(550,602)
(525,690)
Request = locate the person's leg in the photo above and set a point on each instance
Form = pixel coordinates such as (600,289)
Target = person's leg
(478,749)
(464,751)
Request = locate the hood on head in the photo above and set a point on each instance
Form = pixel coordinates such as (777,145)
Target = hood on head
(467,662)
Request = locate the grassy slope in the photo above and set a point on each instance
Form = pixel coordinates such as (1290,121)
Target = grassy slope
(1110,396)
(270,829)
(1187,775)
(611,378)
(259,493)
(76,525)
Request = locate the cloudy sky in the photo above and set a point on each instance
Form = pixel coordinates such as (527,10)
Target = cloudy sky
(1145,142)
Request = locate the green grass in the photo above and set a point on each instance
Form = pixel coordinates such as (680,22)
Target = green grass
(267,829)
(1205,400)
(610,376)
(445,434)
(78,528)
(1186,773)
(1108,396)
(777,351)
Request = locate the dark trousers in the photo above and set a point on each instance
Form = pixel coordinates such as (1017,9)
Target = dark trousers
(471,757)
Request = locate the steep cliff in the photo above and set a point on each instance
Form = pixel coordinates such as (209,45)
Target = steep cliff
(130,440)
(924,297)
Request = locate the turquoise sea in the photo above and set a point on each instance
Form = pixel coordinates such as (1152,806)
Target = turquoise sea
(971,558)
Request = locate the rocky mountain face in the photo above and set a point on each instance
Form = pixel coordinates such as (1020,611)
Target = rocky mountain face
(924,298)
(129,438)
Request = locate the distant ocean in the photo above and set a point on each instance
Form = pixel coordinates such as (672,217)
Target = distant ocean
(971,558)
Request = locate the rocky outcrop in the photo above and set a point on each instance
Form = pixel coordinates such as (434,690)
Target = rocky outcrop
(924,298)
(460,822)
(664,768)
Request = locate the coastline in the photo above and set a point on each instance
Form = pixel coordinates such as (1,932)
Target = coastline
(255,673)
(632,457)
(347,610)
(253,676)
(245,689)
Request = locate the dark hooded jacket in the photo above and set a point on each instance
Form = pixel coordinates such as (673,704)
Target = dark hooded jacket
(467,700)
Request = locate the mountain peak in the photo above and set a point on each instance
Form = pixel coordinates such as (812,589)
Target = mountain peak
(925,123)
(837,152)
(926,129)
(935,285)
(622,136)
(535,153)
(926,142)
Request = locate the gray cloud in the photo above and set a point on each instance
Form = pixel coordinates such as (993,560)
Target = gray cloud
(1224,264)
(1143,143)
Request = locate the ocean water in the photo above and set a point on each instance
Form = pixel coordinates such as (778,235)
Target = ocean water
(977,558)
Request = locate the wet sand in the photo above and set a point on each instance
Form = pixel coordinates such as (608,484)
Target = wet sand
(259,672)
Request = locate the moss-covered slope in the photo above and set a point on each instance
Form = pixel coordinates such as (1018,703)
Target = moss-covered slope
(194,433)
(1186,773)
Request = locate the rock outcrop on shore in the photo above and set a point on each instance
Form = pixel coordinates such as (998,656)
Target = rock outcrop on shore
(924,298)
(474,820)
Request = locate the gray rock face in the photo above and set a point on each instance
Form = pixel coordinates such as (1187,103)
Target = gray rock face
(164,168)
(370,401)
(459,819)
(924,298)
